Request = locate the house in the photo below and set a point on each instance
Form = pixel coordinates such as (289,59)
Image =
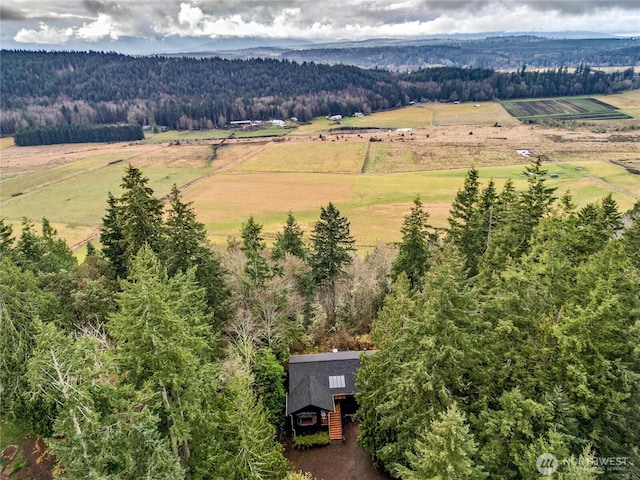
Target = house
(321,391)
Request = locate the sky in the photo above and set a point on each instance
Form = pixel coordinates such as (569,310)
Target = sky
(66,24)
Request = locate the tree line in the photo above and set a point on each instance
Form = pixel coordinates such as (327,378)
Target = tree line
(500,53)
(77,133)
(50,88)
(512,334)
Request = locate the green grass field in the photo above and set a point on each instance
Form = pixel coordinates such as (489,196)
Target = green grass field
(214,134)
(318,156)
(69,185)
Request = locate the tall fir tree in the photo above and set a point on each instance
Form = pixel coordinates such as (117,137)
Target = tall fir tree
(414,251)
(290,241)
(464,230)
(112,238)
(257,268)
(331,247)
(446,450)
(163,339)
(186,247)
(141,214)
(535,202)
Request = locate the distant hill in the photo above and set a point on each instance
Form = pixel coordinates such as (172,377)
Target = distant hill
(497,52)
(52,88)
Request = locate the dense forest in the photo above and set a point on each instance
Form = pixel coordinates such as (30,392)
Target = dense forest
(52,88)
(514,333)
(77,133)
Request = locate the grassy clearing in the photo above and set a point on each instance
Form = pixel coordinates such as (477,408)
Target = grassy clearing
(27,181)
(80,201)
(315,127)
(628,102)
(215,134)
(408,117)
(6,142)
(374,204)
(318,156)
(224,201)
(469,113)
(179,135)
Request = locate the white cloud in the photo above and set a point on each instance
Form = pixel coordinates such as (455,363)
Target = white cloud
(99,29)
(93,20)
(190,16)
(46,34)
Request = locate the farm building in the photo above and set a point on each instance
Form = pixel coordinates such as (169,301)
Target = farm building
(321,391)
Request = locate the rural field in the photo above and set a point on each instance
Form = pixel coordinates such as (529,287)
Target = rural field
(420,150)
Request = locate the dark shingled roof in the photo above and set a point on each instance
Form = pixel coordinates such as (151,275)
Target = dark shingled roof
(309,378)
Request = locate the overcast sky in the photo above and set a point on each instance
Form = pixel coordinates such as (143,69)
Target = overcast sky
(34,23)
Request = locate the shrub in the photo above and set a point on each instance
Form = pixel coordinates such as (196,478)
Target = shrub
(320,439)
(299,476)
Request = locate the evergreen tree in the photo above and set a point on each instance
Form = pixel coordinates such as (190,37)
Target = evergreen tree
(436,336)
(258,455)
(43,253)
(186,247)
(487,221)
(100,430)
(331,245)
(57,254)
(257,268)
(141,215)
(445,451)
(112,238)
(162,340)
(414,251)
(376,379)
(631,236)
(29,247)
(505,239)
(6,238)
(464,222)
(535,202)
(289,240)
(185,236)
(269,385)
(22,301)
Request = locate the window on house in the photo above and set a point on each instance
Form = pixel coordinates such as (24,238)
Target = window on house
(306,419)
(336,381)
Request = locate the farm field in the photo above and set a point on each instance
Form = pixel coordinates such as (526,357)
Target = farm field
(372,183)
(578,108)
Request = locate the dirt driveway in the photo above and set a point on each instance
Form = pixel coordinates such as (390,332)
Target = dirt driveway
(346,461)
